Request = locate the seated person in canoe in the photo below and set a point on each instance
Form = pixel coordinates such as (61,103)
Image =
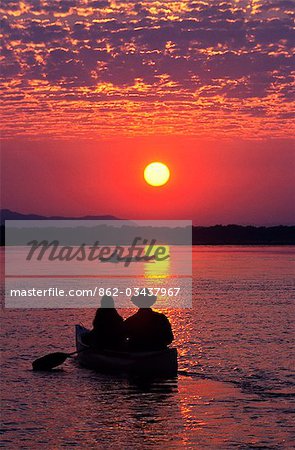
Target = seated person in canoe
(107,332)
(147,330)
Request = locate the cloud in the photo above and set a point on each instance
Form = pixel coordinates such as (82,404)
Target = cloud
(148,60)
(10,67)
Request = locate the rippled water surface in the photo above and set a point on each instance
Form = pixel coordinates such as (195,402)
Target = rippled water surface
(235,384)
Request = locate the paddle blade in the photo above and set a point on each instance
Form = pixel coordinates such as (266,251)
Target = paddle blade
(50,361)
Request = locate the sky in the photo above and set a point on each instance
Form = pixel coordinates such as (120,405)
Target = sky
(92,91)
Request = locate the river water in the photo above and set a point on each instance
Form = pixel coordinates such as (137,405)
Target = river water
(234,391)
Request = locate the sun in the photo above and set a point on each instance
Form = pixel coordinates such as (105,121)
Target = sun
(156,174)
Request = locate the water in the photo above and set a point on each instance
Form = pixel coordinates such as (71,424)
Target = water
(235,354)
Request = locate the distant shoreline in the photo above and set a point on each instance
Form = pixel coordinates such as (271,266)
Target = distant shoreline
(243,235)
(222,244)
(232,235)
(201,235)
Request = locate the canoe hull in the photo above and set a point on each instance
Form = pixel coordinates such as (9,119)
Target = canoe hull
(160,363)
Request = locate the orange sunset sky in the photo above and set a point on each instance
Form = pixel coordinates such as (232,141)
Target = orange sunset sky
(92,91)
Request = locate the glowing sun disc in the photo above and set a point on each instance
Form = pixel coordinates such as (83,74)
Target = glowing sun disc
(156,174)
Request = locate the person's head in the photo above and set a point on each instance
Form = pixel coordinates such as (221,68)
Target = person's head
(145,299)
(107,302)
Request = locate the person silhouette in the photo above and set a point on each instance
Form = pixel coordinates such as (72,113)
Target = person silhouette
(147,330)
(107,332)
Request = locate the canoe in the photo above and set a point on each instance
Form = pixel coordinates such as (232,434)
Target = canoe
(160,363)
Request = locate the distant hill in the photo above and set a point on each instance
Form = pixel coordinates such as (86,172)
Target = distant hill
(214,235)
(7,214)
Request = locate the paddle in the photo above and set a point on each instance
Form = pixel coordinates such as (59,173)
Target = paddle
(52,360)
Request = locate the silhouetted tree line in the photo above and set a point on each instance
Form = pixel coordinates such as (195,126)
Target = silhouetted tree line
(243,235)
(234,235)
